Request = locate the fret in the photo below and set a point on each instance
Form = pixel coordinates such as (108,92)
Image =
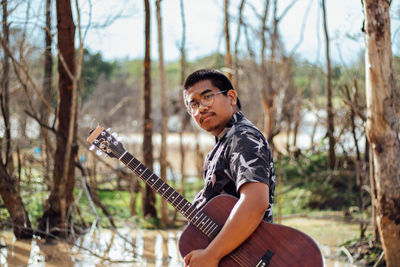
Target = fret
(185,209)
(146,174)
(213,232)
(151,181)
(123,155)
(125,160)
(165,191)
(140,170)
(174,198)
(193,210)
(203,223)
(136,164)
(198,217)
(159,184)
(208,227)
(177,206)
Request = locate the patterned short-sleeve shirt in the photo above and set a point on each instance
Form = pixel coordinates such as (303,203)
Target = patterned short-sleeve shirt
(241,155)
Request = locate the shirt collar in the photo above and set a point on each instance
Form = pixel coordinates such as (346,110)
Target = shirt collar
(237,116)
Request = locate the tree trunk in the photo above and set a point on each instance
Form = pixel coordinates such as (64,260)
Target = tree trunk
(47,91)
(149,198)
(330,119)
(54,218)
(9,187)
(184,115)
(5,98)
(383,126)
(164,112)
(228,57)
(236,57)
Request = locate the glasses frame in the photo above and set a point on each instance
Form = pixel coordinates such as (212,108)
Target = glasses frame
(194,112)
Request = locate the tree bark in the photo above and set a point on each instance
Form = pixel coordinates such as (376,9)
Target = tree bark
(149,198)
(61,197)
(164,112)
(329,109)
(383,126)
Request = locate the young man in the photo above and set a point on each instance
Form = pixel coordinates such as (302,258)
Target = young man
(240,164)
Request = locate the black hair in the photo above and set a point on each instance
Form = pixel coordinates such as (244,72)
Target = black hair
(217,79)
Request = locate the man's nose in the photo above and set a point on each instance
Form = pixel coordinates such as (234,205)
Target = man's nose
(201,109)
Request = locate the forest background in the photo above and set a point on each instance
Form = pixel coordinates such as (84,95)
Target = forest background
(61,77)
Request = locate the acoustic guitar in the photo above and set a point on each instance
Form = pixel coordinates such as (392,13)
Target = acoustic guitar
(270,244)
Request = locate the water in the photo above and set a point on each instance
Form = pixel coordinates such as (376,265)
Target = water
(149,248)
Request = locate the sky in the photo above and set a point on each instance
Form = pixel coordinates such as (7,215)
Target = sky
(124,37)
(117,27)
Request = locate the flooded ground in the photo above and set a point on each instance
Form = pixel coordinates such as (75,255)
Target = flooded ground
(149,248)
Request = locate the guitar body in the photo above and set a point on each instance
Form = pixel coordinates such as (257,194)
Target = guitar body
(270,244)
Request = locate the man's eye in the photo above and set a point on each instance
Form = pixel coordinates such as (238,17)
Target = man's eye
(194,105)
(208,97)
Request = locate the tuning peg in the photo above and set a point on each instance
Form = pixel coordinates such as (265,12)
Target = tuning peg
(119,139)
(92,147)
(114,134)
(108,130)
(99,153)
(105,156)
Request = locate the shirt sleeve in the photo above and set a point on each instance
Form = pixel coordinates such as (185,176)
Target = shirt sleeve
(250,158)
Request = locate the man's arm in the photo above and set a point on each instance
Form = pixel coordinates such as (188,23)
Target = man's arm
(243,220)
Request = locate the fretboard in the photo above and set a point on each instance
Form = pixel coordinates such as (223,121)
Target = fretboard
(197,217)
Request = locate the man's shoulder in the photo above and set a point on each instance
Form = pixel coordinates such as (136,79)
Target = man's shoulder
(247,128)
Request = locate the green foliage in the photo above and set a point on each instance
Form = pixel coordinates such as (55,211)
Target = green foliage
(116,202)
(307,184)
(93,67)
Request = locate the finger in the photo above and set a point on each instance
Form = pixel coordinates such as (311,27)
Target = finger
(187,259)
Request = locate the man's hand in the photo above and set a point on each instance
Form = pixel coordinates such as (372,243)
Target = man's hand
(200,258)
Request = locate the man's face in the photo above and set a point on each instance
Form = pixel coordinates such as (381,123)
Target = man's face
(214,117)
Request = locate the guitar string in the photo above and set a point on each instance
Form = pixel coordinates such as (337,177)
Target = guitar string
(241,260)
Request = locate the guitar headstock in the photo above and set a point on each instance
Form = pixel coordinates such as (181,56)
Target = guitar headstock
(106,142)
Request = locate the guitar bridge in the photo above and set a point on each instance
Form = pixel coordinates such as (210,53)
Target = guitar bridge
(266,259)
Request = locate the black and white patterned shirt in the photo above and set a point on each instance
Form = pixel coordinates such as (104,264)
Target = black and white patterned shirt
(241,155)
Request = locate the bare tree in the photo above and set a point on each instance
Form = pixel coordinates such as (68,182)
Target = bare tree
(236,56)
(47,88)
(61,196)
(182,111)
(164,111)
(328,87)
(9,185)
(228,57)
(149,198)
(383,126)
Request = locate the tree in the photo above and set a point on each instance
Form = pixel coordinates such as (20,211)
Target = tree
(331,129)
(9,185)
(228,57)
(47,88)
(149,198)
(164,110)
(61,196)
(383,126)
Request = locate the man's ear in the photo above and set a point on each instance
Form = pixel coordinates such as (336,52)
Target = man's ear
(232,96)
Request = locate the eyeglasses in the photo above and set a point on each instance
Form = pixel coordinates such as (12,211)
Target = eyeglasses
(206,100)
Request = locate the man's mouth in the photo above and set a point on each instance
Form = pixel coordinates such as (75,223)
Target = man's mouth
(205,116)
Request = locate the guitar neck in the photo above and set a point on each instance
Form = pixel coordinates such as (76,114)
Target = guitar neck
(197,217)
